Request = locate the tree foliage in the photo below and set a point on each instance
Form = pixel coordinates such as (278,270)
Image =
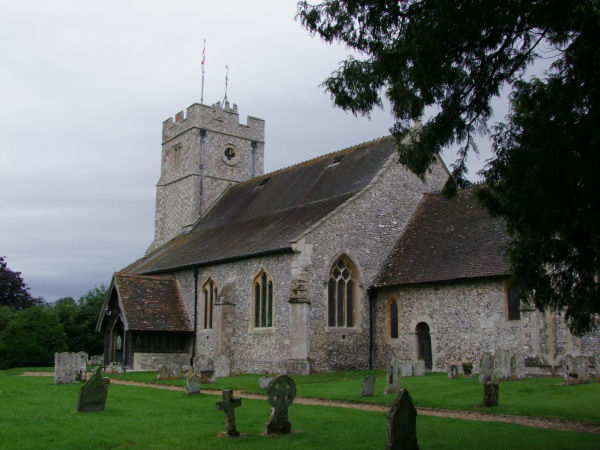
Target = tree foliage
(453,57)
(13,290)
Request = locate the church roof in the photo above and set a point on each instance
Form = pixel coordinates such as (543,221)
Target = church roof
(151,303)
(447,239)
(265,214)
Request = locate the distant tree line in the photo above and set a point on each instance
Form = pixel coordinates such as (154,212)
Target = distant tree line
(32,330)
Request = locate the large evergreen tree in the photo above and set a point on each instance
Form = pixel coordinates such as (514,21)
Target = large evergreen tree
(13,290)
(453,57)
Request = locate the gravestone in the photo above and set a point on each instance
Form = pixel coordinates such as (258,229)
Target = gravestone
(69,367)
(192,385)
(597,366)
(228,405)
(114,368)
(402,423)
(575,370)
(280,393)
(96,360)
(419,368)
(263,382)
(581,368)
(502,365)
(186,371)
(92,395)
(406,368)
(222,366)
(452,372)
(517,367)
(486,368)
(367,388)
(490,394)
(207,376)
(392,382)
(168,372)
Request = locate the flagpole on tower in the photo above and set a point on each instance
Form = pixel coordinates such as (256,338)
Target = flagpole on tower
(203,60)
(226,84)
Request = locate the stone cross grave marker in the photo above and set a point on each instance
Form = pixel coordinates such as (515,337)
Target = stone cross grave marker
(228,405)
(402,423)
(92,395)
(193,384)
(392,382)
(486,368)
(367,388)
(280,393)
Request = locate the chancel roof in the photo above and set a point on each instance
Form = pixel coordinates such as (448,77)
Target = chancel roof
(151,303)
(265,214)
(447,239)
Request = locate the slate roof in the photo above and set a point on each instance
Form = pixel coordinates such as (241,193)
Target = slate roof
(151,303)
(265,214)
(447,239)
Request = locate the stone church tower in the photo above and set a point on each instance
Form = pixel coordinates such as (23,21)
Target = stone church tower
(203,153)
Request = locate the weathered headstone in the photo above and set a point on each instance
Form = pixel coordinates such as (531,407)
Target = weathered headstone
(502,365)
(486,368)
(402,423)
(392,382)
(419,368)
(228,405)
(575,370)
(597,366)
(96,360)
(517,367)
(367,388)
(581,368)
(193,384)
(169,372)
(452,372)
(222,366)
(406,368)
(207,376)
(114,368)
(92,395)
(69,367)
(280,393)
(263,382)
(490,394)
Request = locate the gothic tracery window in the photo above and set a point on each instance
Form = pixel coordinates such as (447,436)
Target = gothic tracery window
(340,294)
(263,301)
(209,291)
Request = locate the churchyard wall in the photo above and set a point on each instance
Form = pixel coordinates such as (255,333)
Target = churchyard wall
(467,318)
(365,229)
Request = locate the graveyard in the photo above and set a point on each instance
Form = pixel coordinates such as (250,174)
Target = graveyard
(37,413)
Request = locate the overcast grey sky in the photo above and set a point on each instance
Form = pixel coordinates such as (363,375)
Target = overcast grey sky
(84,88)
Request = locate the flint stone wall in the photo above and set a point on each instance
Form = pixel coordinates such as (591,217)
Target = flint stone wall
(152,361)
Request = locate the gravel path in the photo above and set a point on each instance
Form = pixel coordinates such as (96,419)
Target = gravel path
(537,422)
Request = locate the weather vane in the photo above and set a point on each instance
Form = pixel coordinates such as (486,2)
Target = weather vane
(226,84)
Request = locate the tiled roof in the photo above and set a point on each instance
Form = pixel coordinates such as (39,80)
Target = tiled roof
(151,303)
(265,214)
(447,239)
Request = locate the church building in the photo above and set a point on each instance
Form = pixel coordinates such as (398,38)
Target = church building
(341,262)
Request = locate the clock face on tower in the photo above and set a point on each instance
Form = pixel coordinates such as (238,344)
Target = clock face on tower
(231,155)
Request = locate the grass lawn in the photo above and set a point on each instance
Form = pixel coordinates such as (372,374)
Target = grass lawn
(37,414)
(538,397)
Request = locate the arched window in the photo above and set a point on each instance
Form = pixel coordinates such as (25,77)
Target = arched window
(393,311)
(263,301)
(340,294)
(209,292)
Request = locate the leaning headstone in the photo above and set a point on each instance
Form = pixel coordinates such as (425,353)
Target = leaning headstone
(452,372)
(406,368)
(263,382)
(280,393)
(419,368)
(490,394)
(517,367)
(114,368)
(228,405)
(392,384)
(69,367)
(486,368)
(192,385)
(207,376)
(92,395)
(367,389)
(402,423)
(222,366)
(502,365)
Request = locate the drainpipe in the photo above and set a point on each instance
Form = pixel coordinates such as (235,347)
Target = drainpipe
(371,293)
(195,315)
